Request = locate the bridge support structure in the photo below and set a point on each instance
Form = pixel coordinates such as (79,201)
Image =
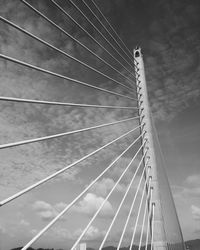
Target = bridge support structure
(155,210)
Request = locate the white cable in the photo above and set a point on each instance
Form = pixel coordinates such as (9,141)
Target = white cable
(81,105)
(148,219)
(48,137)
(145,212)
(58,27)
(121,203)
(79,10)
(138,215)
(61,51)
(31,66)
(131,56)
(5,201)
(105,200)
(51,223)
(131,209)
(152,234)
(86,32)
(109,34)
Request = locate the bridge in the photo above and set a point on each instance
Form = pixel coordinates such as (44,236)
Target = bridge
(151,212)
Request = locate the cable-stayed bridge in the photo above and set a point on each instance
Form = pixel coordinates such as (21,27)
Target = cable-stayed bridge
(151,211)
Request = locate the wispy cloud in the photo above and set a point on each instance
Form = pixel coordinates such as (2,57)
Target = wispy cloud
(190,189)
(90,204)
(193,180)
(195,212)
(172,68)
(45,210)
(23,121)
(105,185)
(92,234)
(172,60)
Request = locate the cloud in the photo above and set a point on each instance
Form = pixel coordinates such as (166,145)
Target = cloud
(92,234)
(119,168)
(191,188)
(44,210)
(25,165)
(2,229)
(194,192)
(103,186)
(60,233)
(195,212)
(63,234)
(169,70)
(90,204)
(34,231)
(24,223)
(183,192)
(193,180)
(172,60)
(114,236)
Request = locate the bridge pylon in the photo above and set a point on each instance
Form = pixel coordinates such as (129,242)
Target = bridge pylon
(157,230)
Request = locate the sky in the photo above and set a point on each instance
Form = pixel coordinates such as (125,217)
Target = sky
(168,33)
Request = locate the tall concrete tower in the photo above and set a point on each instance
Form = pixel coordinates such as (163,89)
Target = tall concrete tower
(156,220)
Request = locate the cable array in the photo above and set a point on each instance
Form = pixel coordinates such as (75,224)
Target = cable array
(132,206)
(103,203)
(63,170)
(152,221)
(76,40)
(122,201)
(60,51)
(44,138)
(138,215)
(68,207)
(148,198)
(129,53)
(23,100)
(28,65)
(139,163)
(101,34)
(130,64)
(148,219)
(93,39)
(80,105)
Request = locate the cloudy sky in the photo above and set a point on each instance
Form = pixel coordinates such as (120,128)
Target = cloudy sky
(169,36)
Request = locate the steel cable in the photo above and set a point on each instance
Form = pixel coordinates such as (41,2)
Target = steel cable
(131,56)
(105,200)
(79,10)
(132,205)
(7,200)
(100,45)
(138,215)
(11,59)
(132,59)
(13,99)
(121,203)
(51,223)
(152,230)
(145,211)
(59,28)
(105,37)
(148,219)
(48,137)
(61,51)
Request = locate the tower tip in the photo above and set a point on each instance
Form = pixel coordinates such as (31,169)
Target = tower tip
(137,51)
